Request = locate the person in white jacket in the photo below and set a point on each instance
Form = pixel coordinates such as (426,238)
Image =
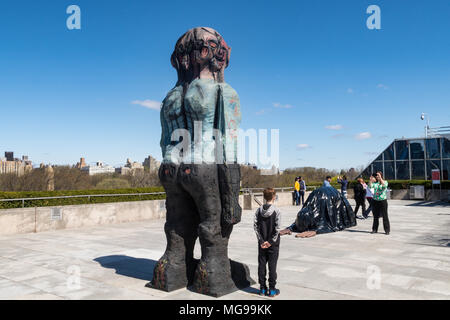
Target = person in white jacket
(369,197)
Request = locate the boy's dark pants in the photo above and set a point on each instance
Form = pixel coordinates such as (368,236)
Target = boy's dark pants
(268,256)
(380,208)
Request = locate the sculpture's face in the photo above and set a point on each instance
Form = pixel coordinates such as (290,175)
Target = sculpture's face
(213,51)
(200,48)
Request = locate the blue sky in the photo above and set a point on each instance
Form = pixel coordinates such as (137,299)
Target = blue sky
(298,66)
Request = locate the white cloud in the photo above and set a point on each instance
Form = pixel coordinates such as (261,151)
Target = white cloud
(338,135)
(334,127)
(350,90)
(363,136)
(283,106)
(151,104)
(382,86)
(303,146)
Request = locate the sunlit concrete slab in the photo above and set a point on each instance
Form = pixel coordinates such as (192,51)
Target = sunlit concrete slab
(116,261)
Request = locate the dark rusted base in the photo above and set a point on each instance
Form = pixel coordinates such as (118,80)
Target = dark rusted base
(240,279)
(202,202)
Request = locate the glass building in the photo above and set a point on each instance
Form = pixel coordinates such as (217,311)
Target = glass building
(413,159)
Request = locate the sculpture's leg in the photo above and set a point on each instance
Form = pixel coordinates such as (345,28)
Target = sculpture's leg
(175,269)
(213,274)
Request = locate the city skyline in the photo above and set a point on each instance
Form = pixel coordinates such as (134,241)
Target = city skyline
(11,156)
(339,92)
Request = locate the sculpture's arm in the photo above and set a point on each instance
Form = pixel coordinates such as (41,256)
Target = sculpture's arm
(171,119)
(165,138)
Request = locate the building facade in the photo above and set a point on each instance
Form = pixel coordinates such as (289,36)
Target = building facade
(81,164)
(99,168)
(152,164)
(413,159)
(9,164)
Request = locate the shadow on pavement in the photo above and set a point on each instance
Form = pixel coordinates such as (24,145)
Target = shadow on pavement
(429,204)
(138,268)
(361,231)
(251,290)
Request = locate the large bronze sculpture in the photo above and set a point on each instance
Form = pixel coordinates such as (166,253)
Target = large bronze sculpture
(202,177)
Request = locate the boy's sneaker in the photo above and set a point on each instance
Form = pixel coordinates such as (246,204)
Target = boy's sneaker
(273,292)
(263,291)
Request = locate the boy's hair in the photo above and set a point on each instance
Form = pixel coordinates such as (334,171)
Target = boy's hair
(269,194)
(328,177)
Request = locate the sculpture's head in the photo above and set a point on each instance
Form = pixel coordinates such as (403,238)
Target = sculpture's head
(198,50)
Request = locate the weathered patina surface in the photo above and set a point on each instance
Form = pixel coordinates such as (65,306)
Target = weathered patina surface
(200,117)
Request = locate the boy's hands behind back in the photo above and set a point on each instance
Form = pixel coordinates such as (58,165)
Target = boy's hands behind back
(265,245)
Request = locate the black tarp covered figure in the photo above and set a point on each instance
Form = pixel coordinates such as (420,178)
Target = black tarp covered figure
(200,119)
(325,210)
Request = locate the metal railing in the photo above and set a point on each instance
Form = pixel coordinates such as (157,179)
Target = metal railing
(89,196)
(283,189)
(438,131)
(252,191)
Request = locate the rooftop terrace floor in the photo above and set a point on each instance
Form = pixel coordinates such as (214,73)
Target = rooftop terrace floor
(116,261)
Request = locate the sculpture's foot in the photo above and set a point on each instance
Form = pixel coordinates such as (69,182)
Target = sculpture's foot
(168,276)
(217,279)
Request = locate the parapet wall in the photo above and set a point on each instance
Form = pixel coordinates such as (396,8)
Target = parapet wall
(29,220)
(26,220)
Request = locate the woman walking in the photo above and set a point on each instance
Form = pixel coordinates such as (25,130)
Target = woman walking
(369,196)
(380,204)
(360,197)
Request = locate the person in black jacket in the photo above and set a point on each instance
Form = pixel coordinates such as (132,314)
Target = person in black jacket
(360,196)
(267,224)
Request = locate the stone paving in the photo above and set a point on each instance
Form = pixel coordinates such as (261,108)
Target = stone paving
(116,261)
